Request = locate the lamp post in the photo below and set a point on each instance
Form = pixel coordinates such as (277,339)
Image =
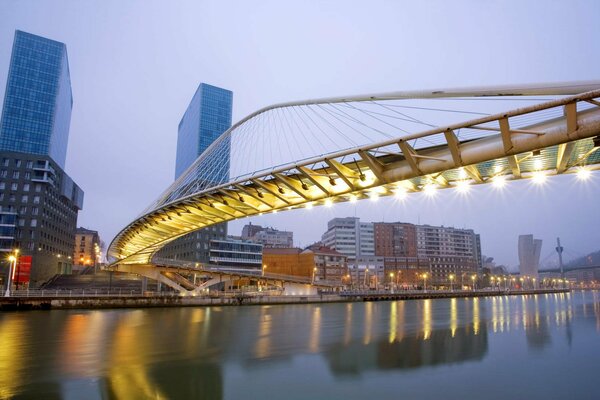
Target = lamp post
(313,275)
(12,259)
(391,281)
(263,269)
(451,282)
(425,282)
(473,277)
(365,277)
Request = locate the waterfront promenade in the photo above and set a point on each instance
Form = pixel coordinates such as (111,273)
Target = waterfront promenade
(47,300)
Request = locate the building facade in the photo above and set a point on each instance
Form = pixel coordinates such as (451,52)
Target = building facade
(39,201)
(350,237)
(87,248)
(288,261)
(232,253)
(330,265)
(37,104)
(207,116)
(39,204)
(268,237)
(405,250)
(450,251)
(529,255)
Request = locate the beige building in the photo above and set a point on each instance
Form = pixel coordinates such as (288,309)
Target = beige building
(87,248)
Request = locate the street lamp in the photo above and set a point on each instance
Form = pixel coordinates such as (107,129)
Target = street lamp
(425,282)
(473,277)
(313,274)
(451,282)
(11,270)
(391,280)
(263,269)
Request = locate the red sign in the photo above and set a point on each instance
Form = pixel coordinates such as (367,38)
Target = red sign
(21,274)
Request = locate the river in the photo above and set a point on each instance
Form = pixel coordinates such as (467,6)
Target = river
(505,347)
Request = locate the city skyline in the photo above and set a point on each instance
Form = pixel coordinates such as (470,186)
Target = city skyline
(151,126)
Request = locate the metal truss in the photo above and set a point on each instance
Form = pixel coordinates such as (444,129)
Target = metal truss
(552,145)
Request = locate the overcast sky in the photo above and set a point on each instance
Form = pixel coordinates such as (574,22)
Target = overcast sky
(136,64)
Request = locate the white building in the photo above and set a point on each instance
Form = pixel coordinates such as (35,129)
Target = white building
(529,255)
(350,237)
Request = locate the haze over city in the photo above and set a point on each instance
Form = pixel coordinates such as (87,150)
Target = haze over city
(135,65)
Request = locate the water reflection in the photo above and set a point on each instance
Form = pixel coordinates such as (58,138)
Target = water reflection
(200,352)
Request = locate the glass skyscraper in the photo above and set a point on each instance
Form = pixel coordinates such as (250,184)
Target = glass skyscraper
(38,101)
(39,202)
(206,118)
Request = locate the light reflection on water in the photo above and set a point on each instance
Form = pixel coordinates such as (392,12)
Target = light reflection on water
(424,349)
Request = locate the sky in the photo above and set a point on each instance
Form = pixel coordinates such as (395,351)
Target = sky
(135,66)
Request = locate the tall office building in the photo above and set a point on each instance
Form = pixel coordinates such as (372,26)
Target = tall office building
(38,101)
(206,118)
(406,248)
(39,202)
(350,237)
(529,255)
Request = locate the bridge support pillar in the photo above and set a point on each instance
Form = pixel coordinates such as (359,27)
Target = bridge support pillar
(150,271)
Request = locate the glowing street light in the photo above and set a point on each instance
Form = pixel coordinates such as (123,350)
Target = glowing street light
(11,271)
(539,178)
(583,174)
(400,193)
(429,189)
(463,186)
(499,181)
(473,277)
(424,276)
(313,274)
(451,282)
(263,269)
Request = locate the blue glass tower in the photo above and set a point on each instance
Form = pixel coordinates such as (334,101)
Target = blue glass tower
(38,100)
(206,118)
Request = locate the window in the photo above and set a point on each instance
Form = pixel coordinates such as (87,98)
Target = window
(5,162)
(3,173)
(18,163)
(34,210)
(22,210)
(36,199)
(38,187)
(24,199)
(27,175)
(26,187)
(15,174)
(14,186)
(33,223)
(11,197)
(2,185)
(21,222)
(29,164)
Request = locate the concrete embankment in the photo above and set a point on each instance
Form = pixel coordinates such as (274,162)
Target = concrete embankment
(97,302)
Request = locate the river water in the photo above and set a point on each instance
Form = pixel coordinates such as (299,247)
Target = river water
(518,347)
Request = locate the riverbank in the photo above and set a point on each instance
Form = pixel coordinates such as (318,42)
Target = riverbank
(138,301)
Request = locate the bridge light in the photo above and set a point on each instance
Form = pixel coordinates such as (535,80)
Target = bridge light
(584,174)
(400,193)
(352,198)
(462,174)
(499,181)
(374,196)
(332,182)
(462,186)
(539,178)
(309,206)
(429,189)
(328,203)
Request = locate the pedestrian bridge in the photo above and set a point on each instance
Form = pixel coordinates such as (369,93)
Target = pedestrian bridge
(304,154)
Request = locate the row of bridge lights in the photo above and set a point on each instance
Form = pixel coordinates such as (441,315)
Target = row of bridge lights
(462,186)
